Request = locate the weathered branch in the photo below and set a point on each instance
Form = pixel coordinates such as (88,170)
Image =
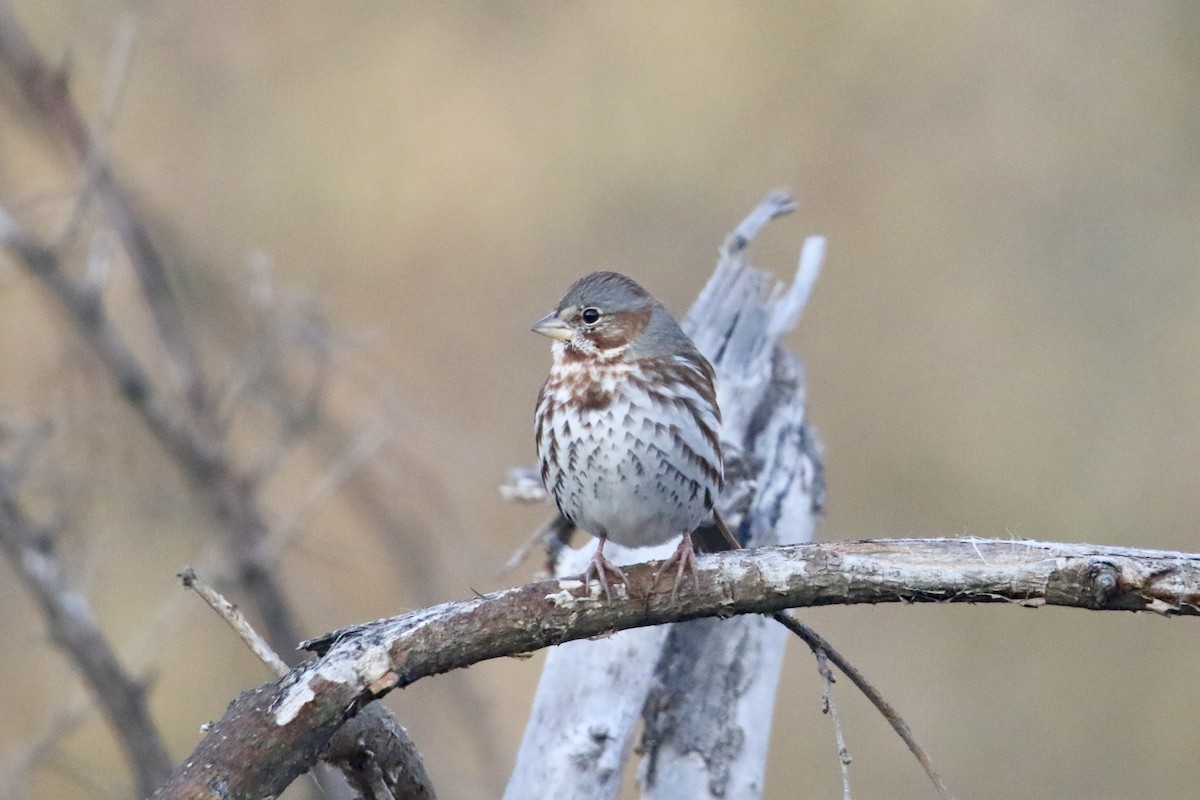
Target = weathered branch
(372,750)
(298,715)
(705,735)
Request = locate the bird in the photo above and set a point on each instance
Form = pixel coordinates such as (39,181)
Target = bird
(628,438)
(627,427)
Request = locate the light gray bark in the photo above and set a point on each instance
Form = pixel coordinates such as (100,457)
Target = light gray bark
(588,702)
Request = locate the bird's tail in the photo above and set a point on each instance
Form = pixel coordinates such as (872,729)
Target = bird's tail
(714,537)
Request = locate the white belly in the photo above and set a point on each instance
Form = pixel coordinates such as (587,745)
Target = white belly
(637,484)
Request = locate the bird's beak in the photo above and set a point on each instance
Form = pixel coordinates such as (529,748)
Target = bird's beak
(550,325)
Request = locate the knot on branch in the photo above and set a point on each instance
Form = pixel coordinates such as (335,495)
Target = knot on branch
(1104,579)
(1086,583)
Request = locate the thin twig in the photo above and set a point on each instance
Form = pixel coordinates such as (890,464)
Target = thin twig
(95,161)
(185,428)
(364,447)
(552,535)
(236,620)
(372,750)
(231,496)
(828,706)
(818,644)
(74,629)
(46,89)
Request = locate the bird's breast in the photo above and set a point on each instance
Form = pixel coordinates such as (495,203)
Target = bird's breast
(623,458)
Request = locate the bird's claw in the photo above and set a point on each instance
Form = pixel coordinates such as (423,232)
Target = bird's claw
(602,568)
(685,557)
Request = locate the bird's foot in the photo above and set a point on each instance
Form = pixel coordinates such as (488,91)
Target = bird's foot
(684,560)
(602,568)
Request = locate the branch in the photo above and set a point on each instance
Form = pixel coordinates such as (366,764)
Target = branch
(299,714)
(374,753)
(74,629)
(828,706)
(184,429)
(231,496)
(825,653)
(46,90)
(705,735)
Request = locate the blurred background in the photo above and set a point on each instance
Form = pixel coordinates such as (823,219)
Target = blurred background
(1004,340)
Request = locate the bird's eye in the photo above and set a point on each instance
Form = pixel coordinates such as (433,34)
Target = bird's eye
(590,315)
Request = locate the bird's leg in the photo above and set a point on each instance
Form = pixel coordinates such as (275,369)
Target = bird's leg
(685,555)
(601,567)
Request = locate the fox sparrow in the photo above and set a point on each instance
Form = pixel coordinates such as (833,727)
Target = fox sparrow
(627,425)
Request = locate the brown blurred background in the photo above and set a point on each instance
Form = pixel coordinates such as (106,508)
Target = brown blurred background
(1003,341)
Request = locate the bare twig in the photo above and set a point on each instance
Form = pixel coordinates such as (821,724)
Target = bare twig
(231,496)
(298,408)
(96,159)
(72,626)
(552,536)
(189,430)
(828,706)
(364,447)
(370,492)
(822,649)
(186,430)
(45,88)
(88,316)
(236,620)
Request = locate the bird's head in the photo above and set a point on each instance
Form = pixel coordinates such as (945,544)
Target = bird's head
(607,315)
